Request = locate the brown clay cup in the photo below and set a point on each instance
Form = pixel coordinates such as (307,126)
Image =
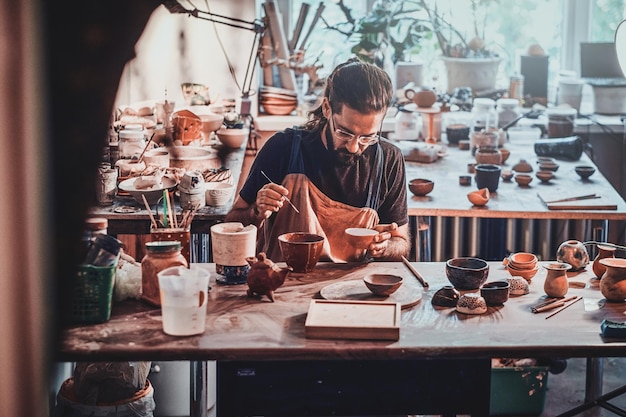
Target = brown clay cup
(300,250)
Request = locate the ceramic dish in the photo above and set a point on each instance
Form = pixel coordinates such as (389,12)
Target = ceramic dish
(152,194)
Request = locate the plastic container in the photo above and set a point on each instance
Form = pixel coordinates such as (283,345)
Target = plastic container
(131,143)
(508,110)
(518,391)
(93,292)
(407,125)
(561,121)
(484,115)
(159,256)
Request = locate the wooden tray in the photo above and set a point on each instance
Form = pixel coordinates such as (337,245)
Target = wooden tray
(373,320)
(408,295)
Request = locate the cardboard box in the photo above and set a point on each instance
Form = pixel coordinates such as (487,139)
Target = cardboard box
(518,391)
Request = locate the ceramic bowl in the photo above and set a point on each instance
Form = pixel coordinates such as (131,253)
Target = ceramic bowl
(505,155)
(360,237)
(545,176)
(523,180)
(465,179)
(488,155)
(522,260)
(507,175)
(495,293)
(467,273)
(153,193)
(527,274)
(218,193)
(382,284)
(446,296)
(479,197)
(518,286)
(584,171)
(471,303)
(159,157)
(232,138)
(541,159)
(548,166)
(421,186)
(211,122)
(301,250)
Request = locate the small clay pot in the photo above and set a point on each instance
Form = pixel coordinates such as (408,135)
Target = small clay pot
(488,156)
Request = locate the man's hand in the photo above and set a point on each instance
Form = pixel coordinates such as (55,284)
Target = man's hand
(380,242)
(270,199)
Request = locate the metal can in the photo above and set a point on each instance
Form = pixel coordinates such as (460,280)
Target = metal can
(516,87)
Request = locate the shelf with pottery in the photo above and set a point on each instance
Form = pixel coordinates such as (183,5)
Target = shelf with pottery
(510,200)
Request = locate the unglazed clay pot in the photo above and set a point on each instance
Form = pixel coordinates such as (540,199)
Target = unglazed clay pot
(613,281)
(604,251)
(574,253)
(556,284)
(264,276)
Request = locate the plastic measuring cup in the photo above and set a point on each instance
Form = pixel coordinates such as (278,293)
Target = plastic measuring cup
(184,296)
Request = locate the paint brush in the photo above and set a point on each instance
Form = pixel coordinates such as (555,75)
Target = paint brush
(285,197)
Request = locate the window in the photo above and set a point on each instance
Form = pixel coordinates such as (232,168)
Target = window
(508,27)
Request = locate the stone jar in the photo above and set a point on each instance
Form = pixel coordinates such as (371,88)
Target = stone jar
(556,283)
(573,252)
(604,251)
(613,281)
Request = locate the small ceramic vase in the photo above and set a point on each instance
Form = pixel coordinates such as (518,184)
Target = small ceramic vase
(613,281)
(574,253)
(556,284)
(604,251)
(446,296)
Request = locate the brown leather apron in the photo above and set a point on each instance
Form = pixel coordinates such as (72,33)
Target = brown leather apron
(319,214)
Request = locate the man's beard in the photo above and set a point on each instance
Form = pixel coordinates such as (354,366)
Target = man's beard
(345,158)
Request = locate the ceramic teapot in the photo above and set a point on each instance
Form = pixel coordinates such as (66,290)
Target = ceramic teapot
(264,276)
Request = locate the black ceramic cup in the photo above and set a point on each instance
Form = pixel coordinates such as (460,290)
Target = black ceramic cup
(487,176)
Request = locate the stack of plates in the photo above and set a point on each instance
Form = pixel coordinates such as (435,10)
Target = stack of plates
(278,101)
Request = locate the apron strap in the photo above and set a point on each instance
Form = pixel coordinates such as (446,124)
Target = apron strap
(296,164)
(373,193)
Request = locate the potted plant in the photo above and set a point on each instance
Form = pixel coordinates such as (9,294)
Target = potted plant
(469,63)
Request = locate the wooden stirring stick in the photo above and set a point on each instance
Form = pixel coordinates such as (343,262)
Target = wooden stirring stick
(414,271)
(145,149)
(152,219)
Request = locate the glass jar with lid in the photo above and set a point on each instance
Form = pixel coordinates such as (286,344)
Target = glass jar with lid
(132,141)
(159,255)
(508,110)
(484,114)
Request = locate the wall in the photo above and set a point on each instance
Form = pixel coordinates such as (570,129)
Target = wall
(177,48)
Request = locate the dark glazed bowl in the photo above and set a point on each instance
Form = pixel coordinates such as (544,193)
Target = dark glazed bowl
(467,273)
(495,293)
(300,250)
(446,296)
(421,186)
(585,171)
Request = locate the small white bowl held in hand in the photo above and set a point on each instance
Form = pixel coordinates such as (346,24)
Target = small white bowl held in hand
(360,237)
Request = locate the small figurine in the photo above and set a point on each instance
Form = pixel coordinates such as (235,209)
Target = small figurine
(264,276)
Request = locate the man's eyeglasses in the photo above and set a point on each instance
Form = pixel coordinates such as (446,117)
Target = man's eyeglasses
(364,140)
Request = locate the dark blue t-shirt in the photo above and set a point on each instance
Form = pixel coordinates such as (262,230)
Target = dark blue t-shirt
(346,184)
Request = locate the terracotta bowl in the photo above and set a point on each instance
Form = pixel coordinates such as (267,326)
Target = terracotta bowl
(300,250)
(467,273)
(479,197)
(382,284)
(495,293)
(421,186)
(360,237)
(505,155)
(507,175)
(548,166)
(545,176)
(523,180)
(232,138)
(527,274)
(522,260)
(584,171)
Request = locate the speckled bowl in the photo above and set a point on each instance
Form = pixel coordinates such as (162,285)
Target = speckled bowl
(471,303)
(518,286)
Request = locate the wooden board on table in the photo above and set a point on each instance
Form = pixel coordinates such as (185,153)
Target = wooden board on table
(601,203)
(408,295)
(370,320)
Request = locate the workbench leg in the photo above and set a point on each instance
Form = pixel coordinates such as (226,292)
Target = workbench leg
(198,389)
(594,378)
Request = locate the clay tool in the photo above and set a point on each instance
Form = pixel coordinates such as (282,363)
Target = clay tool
(414,271)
